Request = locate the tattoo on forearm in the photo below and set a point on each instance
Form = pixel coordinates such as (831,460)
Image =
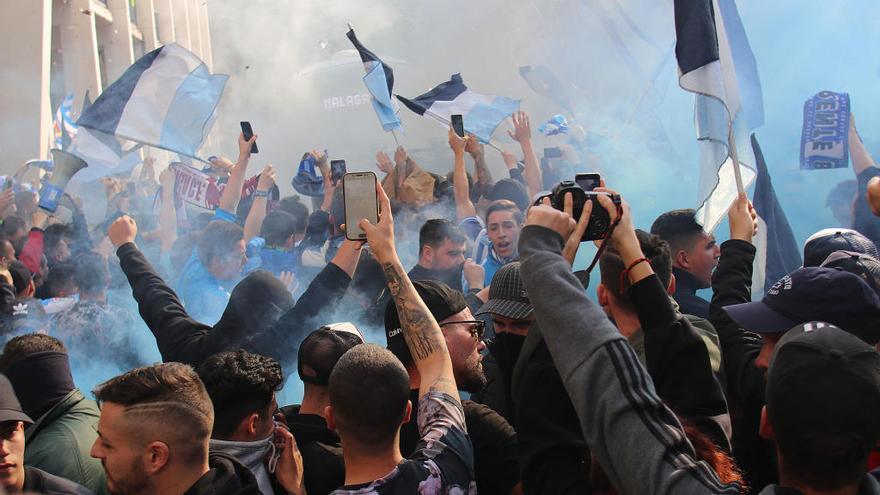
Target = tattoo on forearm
(419,325)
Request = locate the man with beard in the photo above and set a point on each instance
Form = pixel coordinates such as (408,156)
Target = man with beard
(153,436)
(441,253)
(496,456)
(511,313)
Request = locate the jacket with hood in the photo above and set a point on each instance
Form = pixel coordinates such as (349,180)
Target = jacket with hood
(610,391)
(261,316)
(321,449)
(60,442)
(226,476)
(732,284)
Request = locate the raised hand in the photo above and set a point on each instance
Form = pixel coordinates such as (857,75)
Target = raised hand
(244,146)
(384,162)
(380,236)
(267,178)
(122,231)
(456,142)
(288,279)
(474,147)
(509,159)
(522,130)
(400,156)
(474,274)
(742,218)
(573,243)
(546,216)
(289,470)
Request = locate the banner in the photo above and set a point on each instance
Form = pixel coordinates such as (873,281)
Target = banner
(195,187)
(826,126)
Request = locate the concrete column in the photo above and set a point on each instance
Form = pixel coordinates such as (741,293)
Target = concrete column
(116,40)
(165,28)
(207,53)
(26,35)
(195,28)
(146,22)
(181,24)
(79,51)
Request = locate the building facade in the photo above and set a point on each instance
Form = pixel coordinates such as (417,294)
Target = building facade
(52,48)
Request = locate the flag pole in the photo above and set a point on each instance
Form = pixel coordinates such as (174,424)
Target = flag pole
(737,174)
(397,141)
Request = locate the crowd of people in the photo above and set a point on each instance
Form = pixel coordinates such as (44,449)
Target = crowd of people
(497,374)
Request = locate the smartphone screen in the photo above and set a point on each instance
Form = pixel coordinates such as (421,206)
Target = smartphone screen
(337,170)
(552,153)
(248,132)
(458,124)
(588,182)
(359,194)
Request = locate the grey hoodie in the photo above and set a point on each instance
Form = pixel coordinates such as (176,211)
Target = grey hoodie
(635,438)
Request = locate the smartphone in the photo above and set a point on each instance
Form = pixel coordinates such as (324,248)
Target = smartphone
(359,198)
(552,152)
(458,124)
(337,170)
(588,182)
(248,132)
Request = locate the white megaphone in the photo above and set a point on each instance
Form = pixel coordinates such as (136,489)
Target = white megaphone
(66,166)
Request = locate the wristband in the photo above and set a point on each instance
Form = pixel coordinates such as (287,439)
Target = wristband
(625,273)
(261,194)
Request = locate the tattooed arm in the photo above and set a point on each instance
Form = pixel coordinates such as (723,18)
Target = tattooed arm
(420,329)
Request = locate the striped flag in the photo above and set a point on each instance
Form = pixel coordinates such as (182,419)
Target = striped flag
(167,99)
(716,63)
(481,113)
(380,83)
(63,125)
(778,253)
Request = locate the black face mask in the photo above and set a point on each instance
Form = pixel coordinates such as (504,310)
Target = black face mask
(506,348)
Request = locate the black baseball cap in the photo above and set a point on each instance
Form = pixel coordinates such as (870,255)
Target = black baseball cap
(823,382)
(10,408)
(507,295)
(321,350)
(860,264)
(814,294)
(512,190)
(826,241)
(442,301)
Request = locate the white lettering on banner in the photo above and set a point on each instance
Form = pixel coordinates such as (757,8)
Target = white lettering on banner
(191,185)
(345,101)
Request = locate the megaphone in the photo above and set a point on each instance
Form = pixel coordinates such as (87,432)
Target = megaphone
(66,166)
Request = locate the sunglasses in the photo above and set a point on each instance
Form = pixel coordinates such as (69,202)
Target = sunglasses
(477,329)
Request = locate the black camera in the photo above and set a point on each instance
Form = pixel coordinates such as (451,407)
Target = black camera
(600,220)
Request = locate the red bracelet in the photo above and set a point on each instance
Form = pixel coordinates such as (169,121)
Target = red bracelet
(625,273)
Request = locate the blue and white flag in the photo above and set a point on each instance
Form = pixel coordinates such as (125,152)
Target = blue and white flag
(63,125)
(167,99)
(380,83)
(103,153)
(556,125)
(716,63)
(481,113)
(777,251)
(824,139)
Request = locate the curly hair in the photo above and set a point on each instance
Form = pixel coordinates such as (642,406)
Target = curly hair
(240,383)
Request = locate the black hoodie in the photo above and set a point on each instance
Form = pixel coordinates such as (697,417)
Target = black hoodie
(226,476)
(321,451)
(261,316)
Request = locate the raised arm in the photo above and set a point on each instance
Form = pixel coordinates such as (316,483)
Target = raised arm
(522,133)
(483,180)
(420,329)
(232,193)
(464,207)
(610,390)
(254,221)
(179,337)
(861,159)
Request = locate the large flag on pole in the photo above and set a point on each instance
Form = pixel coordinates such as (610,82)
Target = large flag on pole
(778,253)
(716,63)
(481,113)
(167,99)
(380,83)
(63,125)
